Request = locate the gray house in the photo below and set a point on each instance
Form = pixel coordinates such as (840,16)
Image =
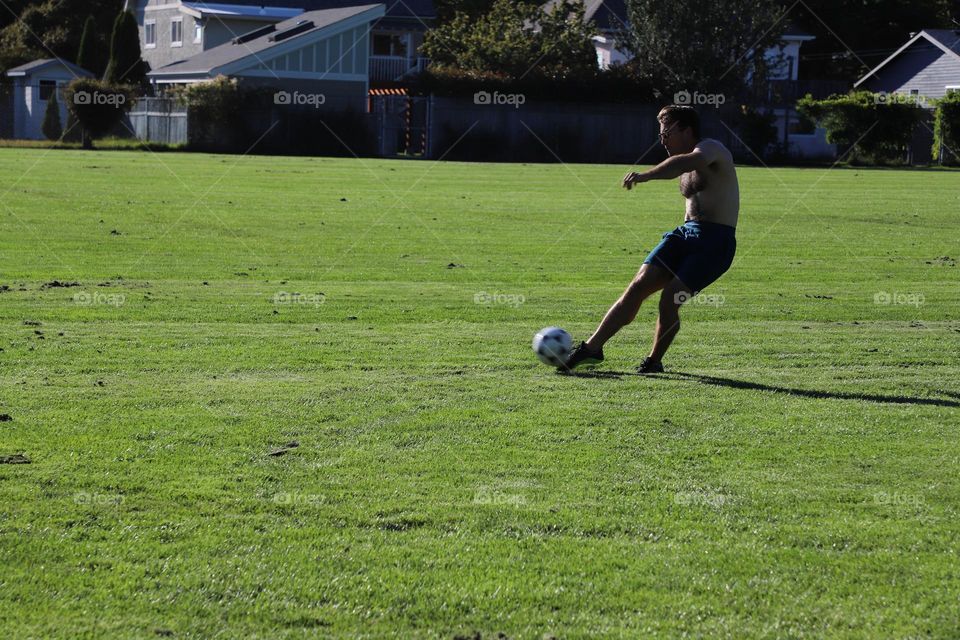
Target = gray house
(34,84)
(174,30)
(323,54)
(927,66)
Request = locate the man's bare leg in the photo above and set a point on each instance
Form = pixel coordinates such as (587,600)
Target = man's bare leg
(668,322)
(648,281)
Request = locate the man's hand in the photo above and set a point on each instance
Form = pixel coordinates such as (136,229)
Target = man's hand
(633,178)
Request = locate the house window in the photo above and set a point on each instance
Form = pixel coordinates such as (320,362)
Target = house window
(176,32)
(197,31)
(149,34)
(389,45)
(47,89)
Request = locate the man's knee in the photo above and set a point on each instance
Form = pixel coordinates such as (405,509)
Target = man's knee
(648,281)
(673,298)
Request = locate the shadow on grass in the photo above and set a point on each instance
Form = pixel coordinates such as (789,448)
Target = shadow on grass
(756,386)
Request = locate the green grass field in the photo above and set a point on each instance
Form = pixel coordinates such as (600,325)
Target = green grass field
(793,475)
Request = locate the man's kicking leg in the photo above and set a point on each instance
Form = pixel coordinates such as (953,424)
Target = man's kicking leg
(668,324)
(648,281)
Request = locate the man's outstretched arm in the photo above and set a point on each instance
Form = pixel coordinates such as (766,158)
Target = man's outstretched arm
(672,167)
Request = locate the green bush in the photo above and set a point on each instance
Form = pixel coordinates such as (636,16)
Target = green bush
(97,105)
(946,129)
(215,107)
(216,99)
(873,127)
(52,129)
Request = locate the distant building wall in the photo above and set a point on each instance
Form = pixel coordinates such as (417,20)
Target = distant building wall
(162,13)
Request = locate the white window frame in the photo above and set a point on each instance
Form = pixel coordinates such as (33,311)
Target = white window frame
(146,42)
(173,23)
(197,32)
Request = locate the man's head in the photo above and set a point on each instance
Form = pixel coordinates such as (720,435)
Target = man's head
(679,128)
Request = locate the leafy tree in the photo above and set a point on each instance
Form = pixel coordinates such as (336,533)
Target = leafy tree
(448,9)
(693,46)
(31,29)
(52,129)
(90,55)
(125,66)
(516,39)
(11,10)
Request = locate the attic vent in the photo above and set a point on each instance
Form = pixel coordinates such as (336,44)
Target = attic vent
(301,27)
(253,35)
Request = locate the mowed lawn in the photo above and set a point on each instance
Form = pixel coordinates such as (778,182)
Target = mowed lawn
(793,475)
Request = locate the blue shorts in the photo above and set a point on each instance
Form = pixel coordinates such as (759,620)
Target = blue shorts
(696,252)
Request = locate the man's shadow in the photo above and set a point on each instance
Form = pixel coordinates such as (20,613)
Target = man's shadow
(756,386)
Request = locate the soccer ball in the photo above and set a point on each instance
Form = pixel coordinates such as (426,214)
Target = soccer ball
(553,346)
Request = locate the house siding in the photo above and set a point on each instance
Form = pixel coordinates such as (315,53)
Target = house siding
(164,54)
(923,67)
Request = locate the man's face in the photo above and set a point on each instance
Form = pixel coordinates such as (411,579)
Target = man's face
(673,138)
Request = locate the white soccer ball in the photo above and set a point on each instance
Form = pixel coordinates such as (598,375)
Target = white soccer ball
(553,346)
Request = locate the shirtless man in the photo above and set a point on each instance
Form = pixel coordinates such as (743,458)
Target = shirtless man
(691,256)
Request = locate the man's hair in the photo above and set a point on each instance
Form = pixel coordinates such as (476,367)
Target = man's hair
(682,116)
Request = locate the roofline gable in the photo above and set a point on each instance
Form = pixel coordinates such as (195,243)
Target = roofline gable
(252,59)
(910,42)
(19,72)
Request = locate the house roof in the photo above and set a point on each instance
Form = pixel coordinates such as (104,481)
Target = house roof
(423,9)
(947,40)
(607,15)
(37,65)
(241,11)
(210,61)
(950,38)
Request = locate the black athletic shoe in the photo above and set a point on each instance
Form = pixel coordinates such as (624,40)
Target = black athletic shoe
(649,366)
(582,355)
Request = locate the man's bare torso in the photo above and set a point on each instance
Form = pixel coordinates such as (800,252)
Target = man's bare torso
(713,195)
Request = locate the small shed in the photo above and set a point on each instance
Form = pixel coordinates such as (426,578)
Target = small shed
(33,85)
